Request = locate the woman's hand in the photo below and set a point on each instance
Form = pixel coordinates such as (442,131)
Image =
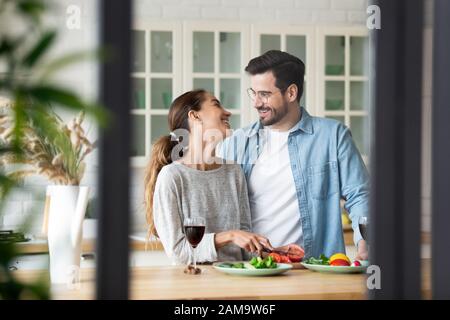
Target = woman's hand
(251,242)
(248,241)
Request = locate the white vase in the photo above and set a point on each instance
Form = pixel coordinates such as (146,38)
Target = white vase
(66,212)
(90,229)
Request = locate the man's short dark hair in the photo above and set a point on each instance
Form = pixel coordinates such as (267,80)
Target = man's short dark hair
(286,68)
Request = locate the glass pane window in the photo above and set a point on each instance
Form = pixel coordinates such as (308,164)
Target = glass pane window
(138,62)
(359,55)
(230,52)
(138,135)
(303,98)
(358,95)
(334,95)
(230,93)
(204,83)
(235,121)
(334,55)
(161,93)
(270,42)
(203,51)
(159,126)
(161,51)
(360,131)
(138,92)
(296,45)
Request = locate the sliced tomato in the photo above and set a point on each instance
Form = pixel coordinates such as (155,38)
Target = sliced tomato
(276,257)
(285,259)
(295,257)
(340,263)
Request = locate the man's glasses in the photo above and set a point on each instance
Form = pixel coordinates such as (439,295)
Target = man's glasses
(264,96)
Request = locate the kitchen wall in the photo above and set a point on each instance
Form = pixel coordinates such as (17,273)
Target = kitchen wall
(83,78)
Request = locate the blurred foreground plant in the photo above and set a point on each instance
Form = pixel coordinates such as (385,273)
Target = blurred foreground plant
(32,134)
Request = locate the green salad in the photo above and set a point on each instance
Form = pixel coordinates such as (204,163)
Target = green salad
(254,263)
(322,260)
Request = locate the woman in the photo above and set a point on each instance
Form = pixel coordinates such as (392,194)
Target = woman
(184,179)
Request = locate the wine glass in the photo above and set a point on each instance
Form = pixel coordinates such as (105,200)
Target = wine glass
(194,229)
(363,223)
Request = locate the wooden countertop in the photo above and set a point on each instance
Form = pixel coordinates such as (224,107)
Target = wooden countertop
(88,245)
(169,282)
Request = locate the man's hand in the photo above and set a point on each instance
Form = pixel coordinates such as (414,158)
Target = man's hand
(362,251)
(291,248)
(293,251)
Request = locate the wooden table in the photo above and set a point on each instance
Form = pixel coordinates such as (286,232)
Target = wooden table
(169,282)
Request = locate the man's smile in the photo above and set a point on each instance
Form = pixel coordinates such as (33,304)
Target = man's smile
(264,112)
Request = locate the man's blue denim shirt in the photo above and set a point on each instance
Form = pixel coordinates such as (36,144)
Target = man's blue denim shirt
(326,166)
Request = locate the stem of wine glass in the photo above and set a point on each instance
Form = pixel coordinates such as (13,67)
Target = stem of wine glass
(195,258)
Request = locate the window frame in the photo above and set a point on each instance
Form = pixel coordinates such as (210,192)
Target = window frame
(347,32)
(177,85)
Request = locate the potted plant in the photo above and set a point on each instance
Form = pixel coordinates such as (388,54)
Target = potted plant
(60,157)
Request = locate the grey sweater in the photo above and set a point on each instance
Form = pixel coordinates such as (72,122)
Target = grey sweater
(220,196)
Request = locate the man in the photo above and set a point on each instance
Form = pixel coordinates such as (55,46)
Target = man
(297,167)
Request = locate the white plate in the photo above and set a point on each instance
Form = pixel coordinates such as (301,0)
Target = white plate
(334,269)
(281,268)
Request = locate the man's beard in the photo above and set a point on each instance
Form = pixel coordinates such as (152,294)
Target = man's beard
(277,115)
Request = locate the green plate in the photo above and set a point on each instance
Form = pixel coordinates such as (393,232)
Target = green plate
(334,269)
(281,268)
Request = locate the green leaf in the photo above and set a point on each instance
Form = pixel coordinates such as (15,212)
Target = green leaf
(50,95)
(322,260)
(6,185)
(42,45)
(101,115)
(66,60)
(5,46)
(32,8)
(47,94)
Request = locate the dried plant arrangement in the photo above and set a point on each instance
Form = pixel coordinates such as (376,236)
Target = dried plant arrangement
(58,156)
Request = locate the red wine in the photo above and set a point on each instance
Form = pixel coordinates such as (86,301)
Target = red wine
(194,234)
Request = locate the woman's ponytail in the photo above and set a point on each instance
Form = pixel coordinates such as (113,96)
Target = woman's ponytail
(160,156)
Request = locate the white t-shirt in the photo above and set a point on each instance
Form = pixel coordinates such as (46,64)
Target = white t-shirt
(273,199)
